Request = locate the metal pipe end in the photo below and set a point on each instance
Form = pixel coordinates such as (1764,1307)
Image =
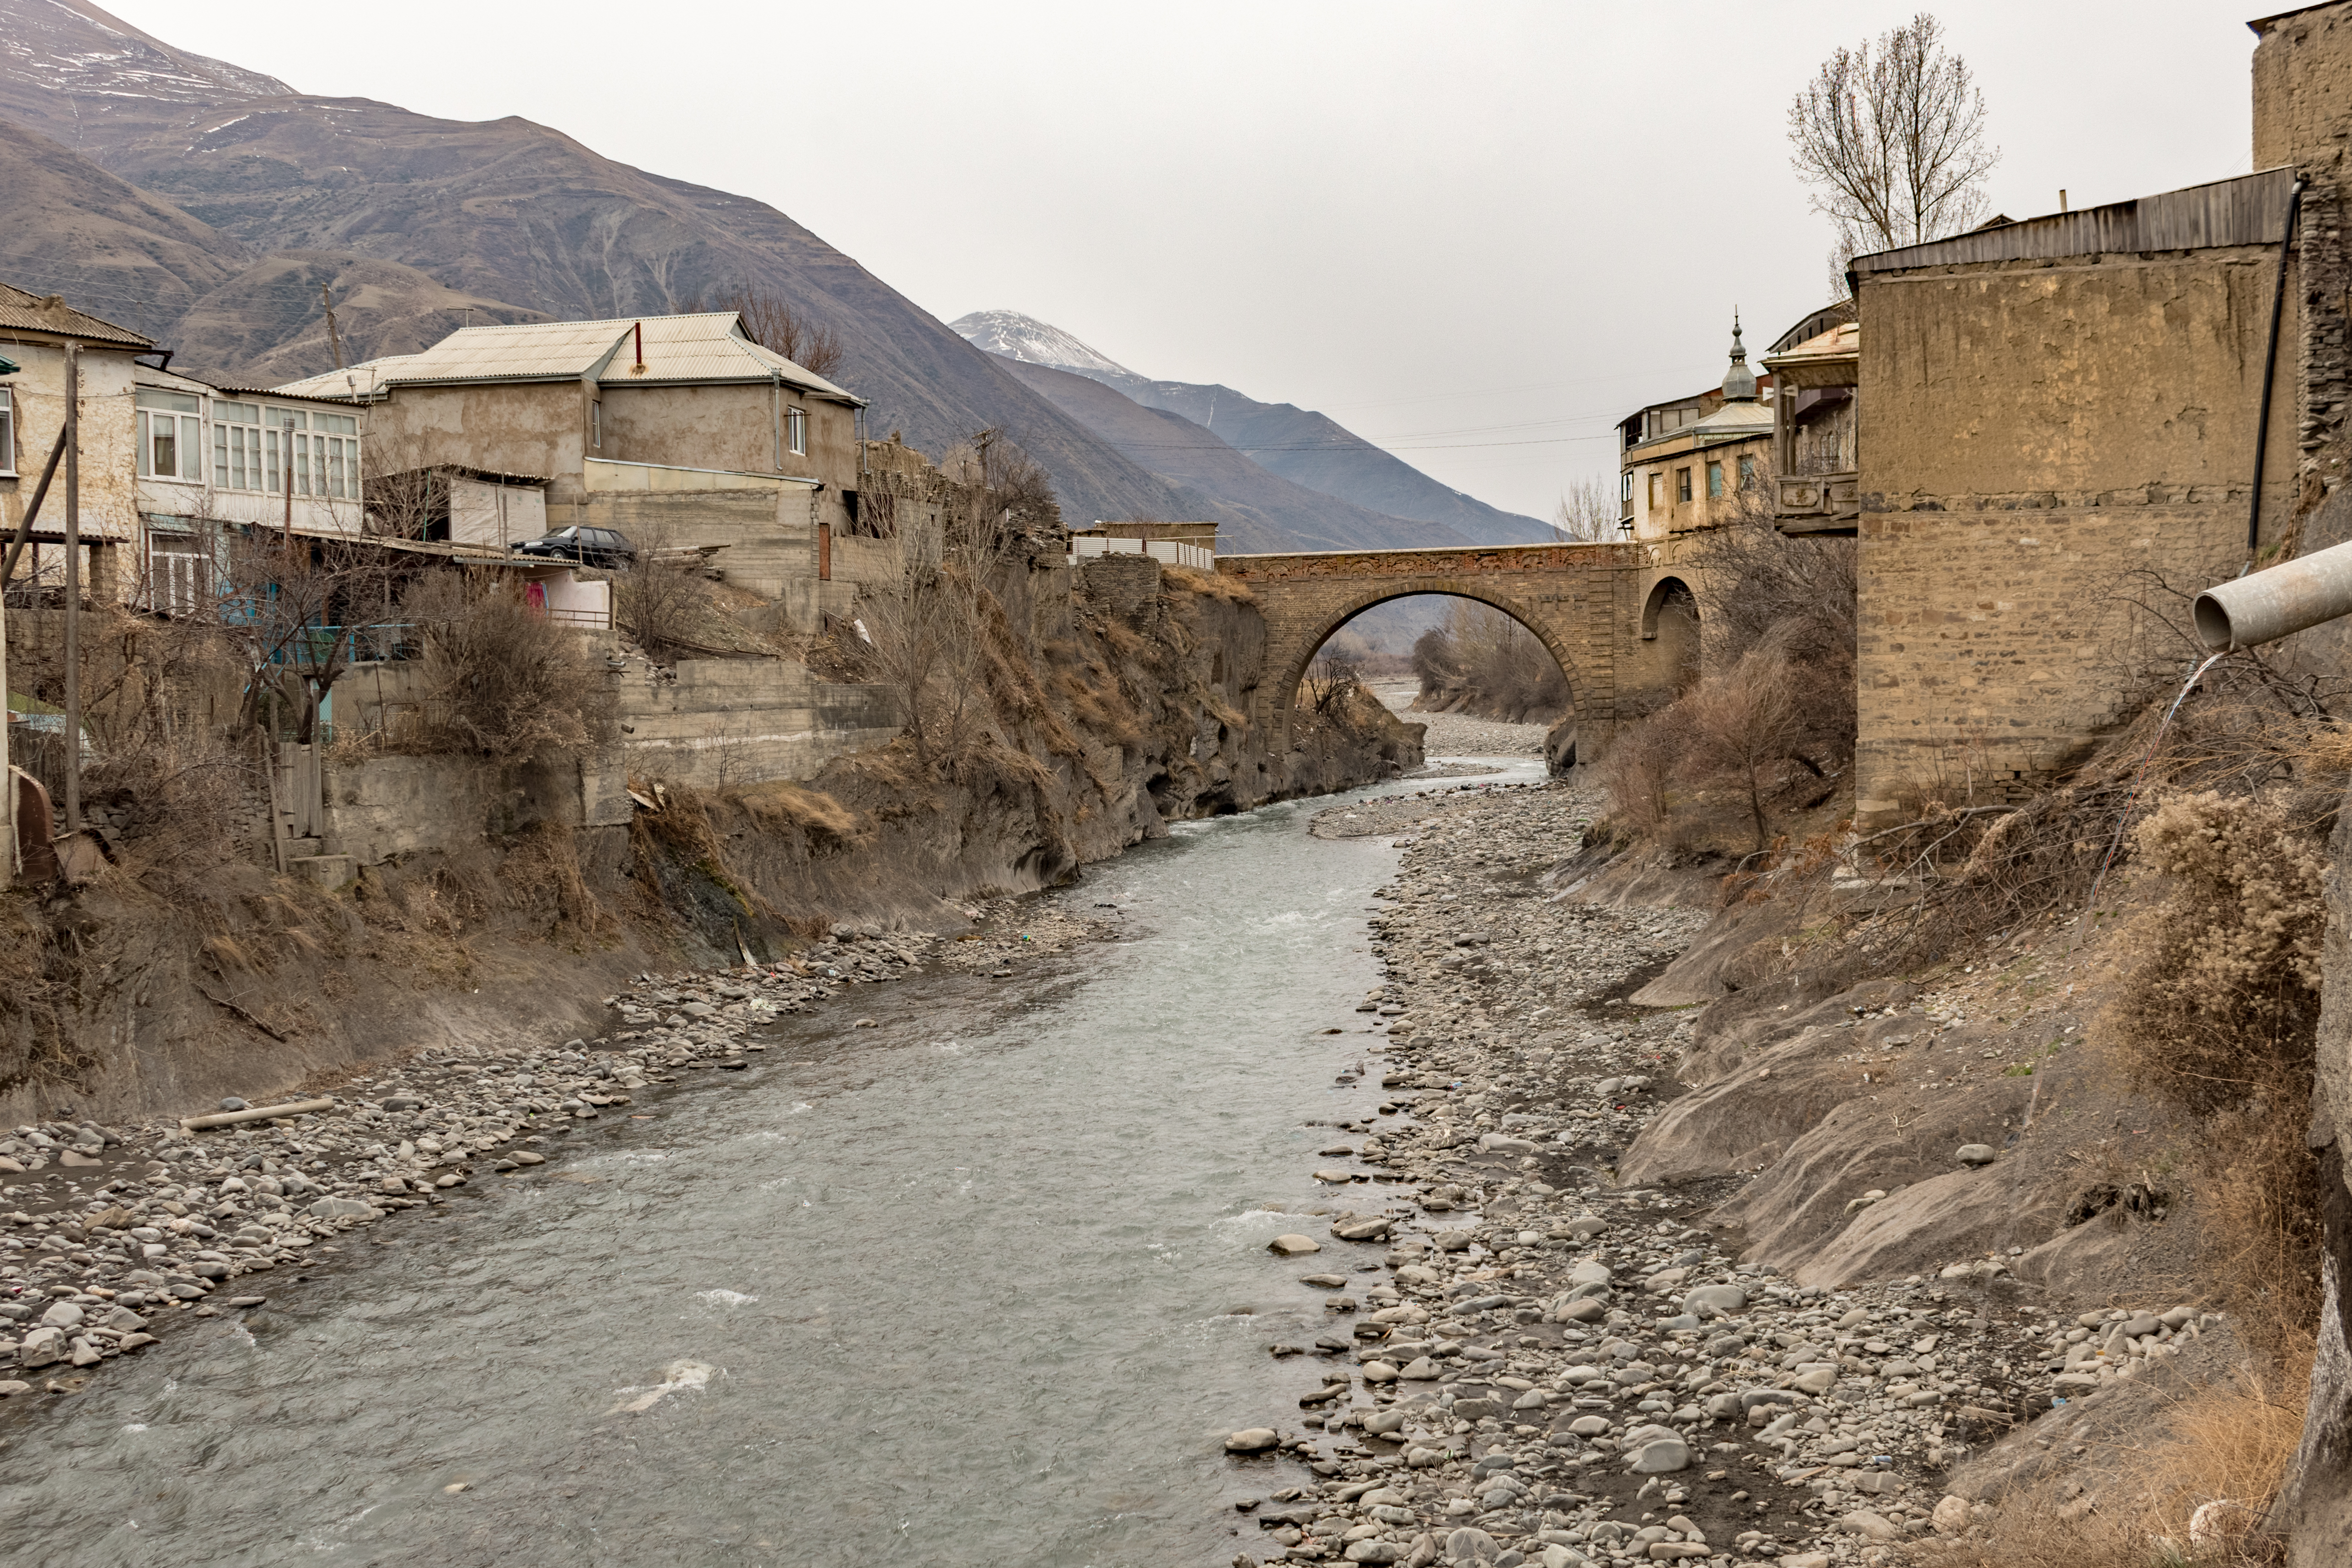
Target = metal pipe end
(2212,619)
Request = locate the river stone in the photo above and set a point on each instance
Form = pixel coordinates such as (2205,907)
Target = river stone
(1972,1155)
(1253,1440)
(41,1347)
(1375,1551)
(62,1315)
(339,1208)
(1421,1368)
(9,1387)
(1469,1546)
(1951,1516)
(1336,1178)
(1362,1229)
(1292,1246)
(1498,1143)
(1588,1310)
(1379,1371)
(232,1103)
(1715,1300)
(1588,1426)
(70,1158)
(1816,1380)
(1659,1455)
(1870,1526)
(1590,1272)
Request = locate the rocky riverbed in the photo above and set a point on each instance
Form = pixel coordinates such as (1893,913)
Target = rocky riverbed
(1526,1362)
(109,1236)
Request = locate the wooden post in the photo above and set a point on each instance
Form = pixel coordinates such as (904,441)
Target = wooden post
(73,588)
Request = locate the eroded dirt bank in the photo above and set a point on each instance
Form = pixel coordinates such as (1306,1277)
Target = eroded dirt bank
(1760,1283)
(187,972)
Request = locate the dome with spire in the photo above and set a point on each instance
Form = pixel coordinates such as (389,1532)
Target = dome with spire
(1739,382)
(1744,412)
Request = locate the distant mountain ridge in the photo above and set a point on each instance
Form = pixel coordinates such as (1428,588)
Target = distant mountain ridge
(1307,449)
(203,204)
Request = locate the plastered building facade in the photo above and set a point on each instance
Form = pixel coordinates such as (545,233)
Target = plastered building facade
(2058,423)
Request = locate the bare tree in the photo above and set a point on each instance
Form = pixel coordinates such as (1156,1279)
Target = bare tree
(930,620)
(1327,679)
(777,326)
(301,612)
(1587,511)
(1891,135)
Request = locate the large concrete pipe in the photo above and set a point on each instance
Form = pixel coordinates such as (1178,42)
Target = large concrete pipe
(2263,605)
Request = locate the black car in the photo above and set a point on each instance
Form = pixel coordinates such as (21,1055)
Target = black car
(602,547)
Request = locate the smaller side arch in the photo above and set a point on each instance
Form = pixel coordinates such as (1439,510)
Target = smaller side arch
(1665,591)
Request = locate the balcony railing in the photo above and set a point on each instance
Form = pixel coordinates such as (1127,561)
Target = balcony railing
(1817,503)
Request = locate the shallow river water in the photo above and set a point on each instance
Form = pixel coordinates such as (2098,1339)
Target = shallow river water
(961,1289)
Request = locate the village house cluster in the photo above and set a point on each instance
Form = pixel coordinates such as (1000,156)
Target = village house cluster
(2031,428)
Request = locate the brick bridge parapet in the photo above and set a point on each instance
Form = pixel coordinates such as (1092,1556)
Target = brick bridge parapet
(1585,602)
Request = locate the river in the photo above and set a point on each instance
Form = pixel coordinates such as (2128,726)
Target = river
(985,1284)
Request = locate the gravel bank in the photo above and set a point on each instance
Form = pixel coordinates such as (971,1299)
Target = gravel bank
(1526,1363)
(109,1236)
(1458,734)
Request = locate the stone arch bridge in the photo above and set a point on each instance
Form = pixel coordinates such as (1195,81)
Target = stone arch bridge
(1594,606)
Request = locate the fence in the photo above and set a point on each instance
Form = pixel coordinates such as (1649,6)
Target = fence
(1174,551)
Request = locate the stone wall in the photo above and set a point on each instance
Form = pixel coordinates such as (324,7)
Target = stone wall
(2044,445)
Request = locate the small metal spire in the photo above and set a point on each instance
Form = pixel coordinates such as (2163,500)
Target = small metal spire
(1739,382)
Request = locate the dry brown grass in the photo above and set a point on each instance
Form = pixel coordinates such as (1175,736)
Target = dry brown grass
(1208,585)
(780,807)
(2223,1443)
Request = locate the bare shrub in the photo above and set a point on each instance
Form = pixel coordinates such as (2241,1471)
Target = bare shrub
(1328,677)
(2218,1015)
(1798,595)
(1742,728)
(1637,773)
(663,601)
(503,681)
(1484,662)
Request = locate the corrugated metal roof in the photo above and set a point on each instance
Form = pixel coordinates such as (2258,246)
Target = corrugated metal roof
(19,309)
(710,347)
(2248,210)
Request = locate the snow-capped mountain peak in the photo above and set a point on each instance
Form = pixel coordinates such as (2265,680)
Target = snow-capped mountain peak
(1027,339)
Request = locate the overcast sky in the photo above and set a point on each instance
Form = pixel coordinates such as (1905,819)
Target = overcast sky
(1477,234)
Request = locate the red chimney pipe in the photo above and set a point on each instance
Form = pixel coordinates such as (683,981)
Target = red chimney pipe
(639,329)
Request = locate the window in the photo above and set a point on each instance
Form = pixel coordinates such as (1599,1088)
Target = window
(1626,488)
(1715,481)
(796,431)
(1682,484)
(7,431)
(170,435)
(1657,490)
(254,446)
(1746,473)
(179,567)
(596,422)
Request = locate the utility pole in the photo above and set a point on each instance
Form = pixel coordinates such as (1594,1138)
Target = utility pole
(287,437)
(73,588)
(334,339)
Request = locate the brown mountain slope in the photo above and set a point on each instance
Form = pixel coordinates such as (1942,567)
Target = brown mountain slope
(269,324)
(70,228)
(1257,510)
(502,210)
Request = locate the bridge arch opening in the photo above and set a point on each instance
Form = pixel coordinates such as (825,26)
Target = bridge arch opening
(1479,653)
(1667,660)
